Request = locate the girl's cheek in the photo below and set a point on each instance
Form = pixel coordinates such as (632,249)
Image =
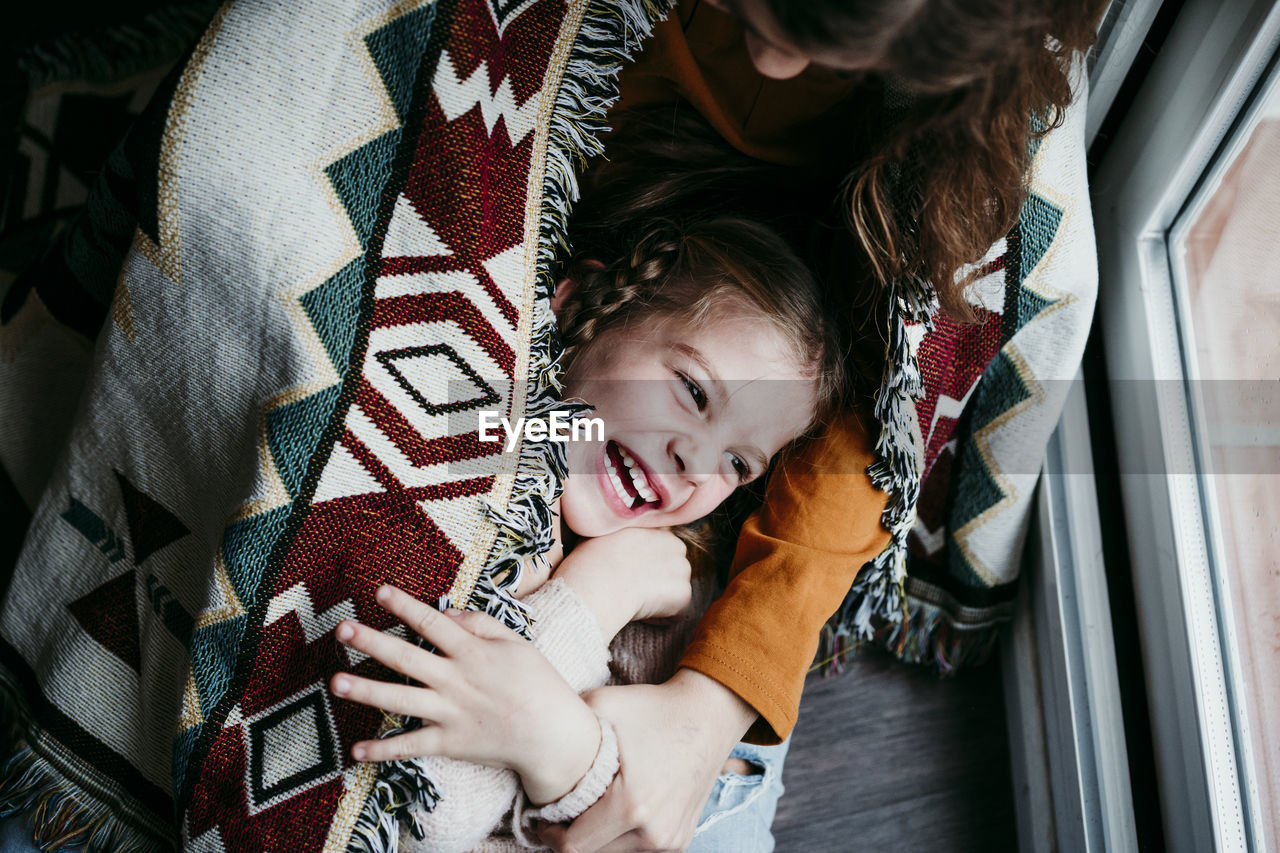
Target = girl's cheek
(713,493)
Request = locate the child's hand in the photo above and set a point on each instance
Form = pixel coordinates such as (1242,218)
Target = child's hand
(488,697)
(635,573)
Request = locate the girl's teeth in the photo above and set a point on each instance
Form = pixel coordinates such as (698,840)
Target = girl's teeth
(635,477)
(617,487)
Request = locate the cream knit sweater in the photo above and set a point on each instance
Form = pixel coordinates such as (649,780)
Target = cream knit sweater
(483,810)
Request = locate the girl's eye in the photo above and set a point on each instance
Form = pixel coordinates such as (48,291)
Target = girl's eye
(695,391)
(740,467)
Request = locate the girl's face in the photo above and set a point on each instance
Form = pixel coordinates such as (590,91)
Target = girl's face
(690,413)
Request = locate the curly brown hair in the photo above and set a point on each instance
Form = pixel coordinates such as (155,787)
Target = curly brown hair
(984,79)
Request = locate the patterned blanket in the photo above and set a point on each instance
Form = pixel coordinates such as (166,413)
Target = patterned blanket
(324,246)
(966,411)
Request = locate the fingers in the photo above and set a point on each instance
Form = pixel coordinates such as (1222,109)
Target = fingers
(397,654)
(481,625)
(393,698)
(419,742)
(551,835)
(429,623)
(592,830)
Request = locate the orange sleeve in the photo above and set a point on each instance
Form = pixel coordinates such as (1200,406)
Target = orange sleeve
(795,561)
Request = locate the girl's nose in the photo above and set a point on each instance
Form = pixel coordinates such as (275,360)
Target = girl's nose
(692,465)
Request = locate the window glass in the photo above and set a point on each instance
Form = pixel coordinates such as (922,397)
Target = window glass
(1227,261)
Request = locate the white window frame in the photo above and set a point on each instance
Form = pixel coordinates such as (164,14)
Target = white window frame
(1063,704)
(1198,88)
(1070,764)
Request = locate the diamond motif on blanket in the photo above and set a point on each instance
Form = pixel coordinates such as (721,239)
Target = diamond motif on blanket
(438,379)
(403,477)
(292,748)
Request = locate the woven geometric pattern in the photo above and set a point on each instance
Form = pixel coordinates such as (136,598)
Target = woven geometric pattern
(325,246)
(393,495)
(994,390)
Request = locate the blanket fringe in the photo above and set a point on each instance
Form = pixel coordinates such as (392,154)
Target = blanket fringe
(121,51)
(877,596)
(402,788)
(57,814)
(610,34)
(925,634)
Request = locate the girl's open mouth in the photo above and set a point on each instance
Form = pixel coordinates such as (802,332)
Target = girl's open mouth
(628,478)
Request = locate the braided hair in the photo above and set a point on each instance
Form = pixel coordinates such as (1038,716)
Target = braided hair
(676,223)
(695,269)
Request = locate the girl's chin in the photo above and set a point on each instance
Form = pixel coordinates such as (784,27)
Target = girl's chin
(591,515)
(587,518)
(592,526)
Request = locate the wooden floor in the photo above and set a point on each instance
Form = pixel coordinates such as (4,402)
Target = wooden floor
(888,757)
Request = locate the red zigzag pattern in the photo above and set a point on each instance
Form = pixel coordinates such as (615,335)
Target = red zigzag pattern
(441,341)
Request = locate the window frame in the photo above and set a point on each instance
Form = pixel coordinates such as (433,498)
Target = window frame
(1182,122)
(1062,692)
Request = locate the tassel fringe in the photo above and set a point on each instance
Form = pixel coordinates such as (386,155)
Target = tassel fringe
(877,597)
(401,789)
(610,34)
(57,812)
(878,607)
(927,635)
(608,37)
(924,635)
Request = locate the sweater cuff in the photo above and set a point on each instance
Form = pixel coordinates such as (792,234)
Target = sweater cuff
(584,795)
(568,635)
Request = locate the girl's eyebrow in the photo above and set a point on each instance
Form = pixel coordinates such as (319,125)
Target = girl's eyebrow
(694,355)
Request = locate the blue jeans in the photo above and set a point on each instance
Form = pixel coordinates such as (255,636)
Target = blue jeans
(739,816)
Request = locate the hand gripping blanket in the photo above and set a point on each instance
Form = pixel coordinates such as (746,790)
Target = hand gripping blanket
(325,246)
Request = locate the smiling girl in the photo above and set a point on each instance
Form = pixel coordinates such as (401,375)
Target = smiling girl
(703,348)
